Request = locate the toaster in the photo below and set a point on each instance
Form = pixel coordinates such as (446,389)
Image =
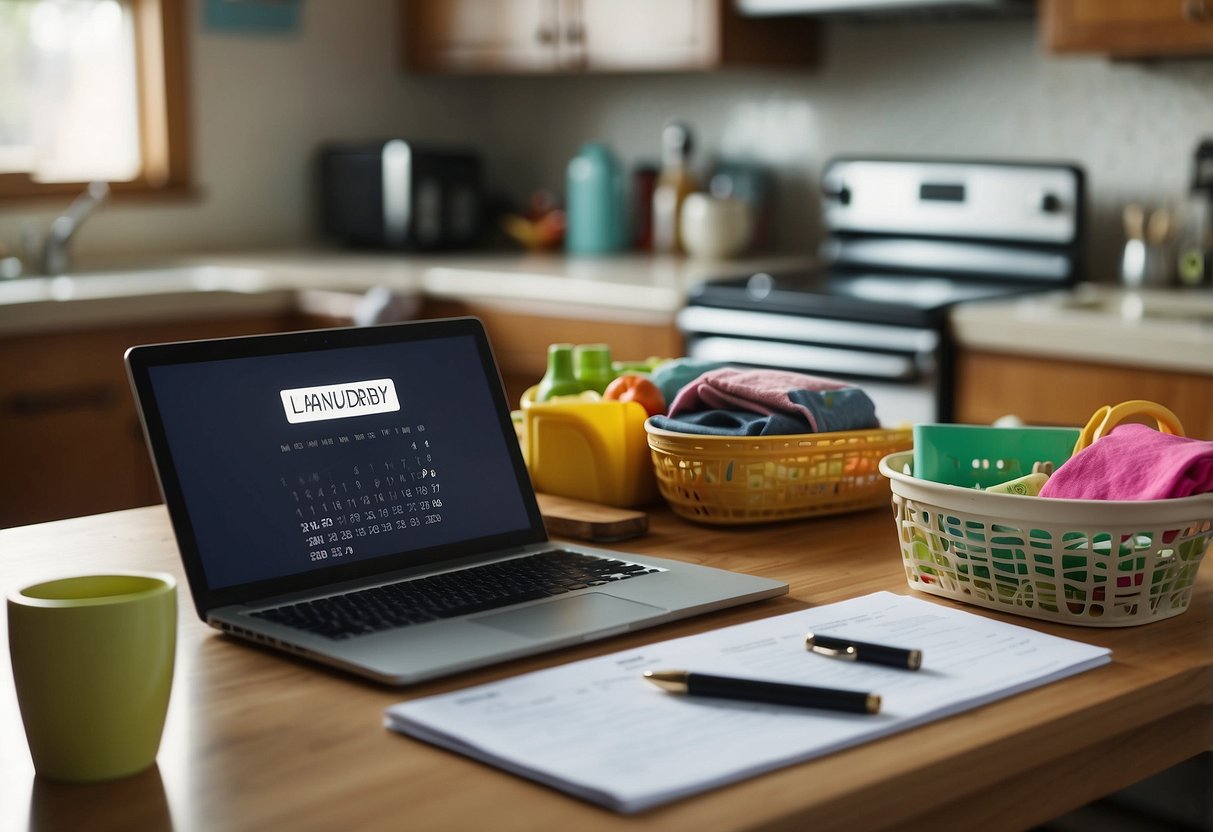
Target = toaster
(399,195)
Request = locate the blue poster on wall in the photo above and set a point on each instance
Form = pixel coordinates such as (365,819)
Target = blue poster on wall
(252,16)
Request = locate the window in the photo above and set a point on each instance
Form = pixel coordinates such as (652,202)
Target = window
(91,90)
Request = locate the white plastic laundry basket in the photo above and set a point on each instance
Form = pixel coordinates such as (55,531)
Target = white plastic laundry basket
(1090,562)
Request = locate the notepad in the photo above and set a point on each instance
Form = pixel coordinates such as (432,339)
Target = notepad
(597,730)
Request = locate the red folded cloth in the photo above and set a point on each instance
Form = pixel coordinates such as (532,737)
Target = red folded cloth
(756,391)
(1135,462)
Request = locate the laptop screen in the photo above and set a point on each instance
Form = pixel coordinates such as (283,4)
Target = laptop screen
(293,461)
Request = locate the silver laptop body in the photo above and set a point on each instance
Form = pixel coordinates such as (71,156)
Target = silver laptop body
(300,469)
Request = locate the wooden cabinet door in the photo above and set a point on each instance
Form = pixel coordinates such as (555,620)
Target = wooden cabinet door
(1129,28)
(644,35)
(472,36)
(548,36)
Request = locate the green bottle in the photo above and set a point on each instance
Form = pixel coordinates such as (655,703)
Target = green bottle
(592,366)
(559,379)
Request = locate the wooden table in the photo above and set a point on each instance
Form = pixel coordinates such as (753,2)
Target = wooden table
(257,740)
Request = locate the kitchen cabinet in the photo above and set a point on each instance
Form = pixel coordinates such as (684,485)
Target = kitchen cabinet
(520,340)
(70,436)
(1129,28)
(568,36)
(1046,391)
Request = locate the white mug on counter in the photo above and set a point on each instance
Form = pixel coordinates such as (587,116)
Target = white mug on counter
(715,227)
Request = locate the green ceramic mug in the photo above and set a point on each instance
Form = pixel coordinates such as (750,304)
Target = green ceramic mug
(93,665)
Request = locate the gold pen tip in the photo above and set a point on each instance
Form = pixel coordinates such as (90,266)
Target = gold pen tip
(674,681)
(873,703)
(914,660)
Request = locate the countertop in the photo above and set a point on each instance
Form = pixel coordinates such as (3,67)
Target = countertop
(1161,329)
(653,287)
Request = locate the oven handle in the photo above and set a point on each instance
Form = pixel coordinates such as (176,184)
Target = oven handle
(823,360)
(710,320)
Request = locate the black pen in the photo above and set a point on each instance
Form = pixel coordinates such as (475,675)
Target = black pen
(861,651)
(778,693)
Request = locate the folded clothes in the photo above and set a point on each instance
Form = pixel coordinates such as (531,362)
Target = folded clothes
(758,391)
(675,374)
(1135,462)
(767,402)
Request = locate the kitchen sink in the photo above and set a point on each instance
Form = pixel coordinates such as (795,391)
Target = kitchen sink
(129,282)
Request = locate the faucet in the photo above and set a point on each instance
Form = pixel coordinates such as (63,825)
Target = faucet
(55,257)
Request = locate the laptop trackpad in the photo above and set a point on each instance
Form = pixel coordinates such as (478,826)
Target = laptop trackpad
(580,614)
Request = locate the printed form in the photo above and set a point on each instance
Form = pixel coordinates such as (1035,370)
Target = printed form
(596,729)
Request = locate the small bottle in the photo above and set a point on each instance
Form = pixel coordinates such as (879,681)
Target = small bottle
(673,184)
(1195,247)
(592,366)
(594,202)
(644,180)
(559,380)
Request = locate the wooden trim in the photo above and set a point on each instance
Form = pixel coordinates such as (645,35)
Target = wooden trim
(164,107)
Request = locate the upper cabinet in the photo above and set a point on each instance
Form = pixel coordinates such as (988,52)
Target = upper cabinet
(566,36)
(1129,28)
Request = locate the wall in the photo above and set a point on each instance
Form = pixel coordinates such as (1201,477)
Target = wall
(262,104)
(979,89)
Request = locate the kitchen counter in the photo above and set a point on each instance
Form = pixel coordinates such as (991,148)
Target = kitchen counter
(625,286)
(1167,330)
(1104,324)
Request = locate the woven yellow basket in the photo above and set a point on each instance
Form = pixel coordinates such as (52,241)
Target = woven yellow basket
(1096,563)
(756,479)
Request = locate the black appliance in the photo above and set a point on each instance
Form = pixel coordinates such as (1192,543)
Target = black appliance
(399,195)
(906,239)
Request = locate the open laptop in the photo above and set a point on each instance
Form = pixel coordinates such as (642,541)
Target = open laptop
(358,497)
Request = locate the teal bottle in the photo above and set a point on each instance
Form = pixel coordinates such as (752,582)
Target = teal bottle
(594,201)
(592,366)
(559,380)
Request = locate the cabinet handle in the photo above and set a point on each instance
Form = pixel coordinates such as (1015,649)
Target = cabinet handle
(87,397)
(1196,11)
(545,35)
(574,33)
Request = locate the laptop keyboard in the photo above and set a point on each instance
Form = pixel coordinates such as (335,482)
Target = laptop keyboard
(452,594)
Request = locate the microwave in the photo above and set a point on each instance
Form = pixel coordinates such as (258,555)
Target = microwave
(395,194)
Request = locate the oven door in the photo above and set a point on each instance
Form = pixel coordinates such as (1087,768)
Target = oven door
(899,367)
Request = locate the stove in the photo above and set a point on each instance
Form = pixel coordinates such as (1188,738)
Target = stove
(906,239)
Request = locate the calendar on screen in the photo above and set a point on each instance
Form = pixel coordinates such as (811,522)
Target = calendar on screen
(390,487)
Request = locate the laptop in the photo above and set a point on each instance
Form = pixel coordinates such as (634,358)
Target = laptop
(358,497)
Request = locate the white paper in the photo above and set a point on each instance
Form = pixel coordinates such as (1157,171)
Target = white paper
(598,730)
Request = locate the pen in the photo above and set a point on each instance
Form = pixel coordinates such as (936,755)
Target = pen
(860,651)
(778,693)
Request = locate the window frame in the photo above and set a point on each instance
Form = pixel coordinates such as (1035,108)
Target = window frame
(163,89)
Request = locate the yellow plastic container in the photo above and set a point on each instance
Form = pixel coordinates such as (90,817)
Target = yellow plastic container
(593,451)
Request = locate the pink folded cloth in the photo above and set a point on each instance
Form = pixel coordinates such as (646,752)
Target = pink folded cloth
(1135,462)
(756,391)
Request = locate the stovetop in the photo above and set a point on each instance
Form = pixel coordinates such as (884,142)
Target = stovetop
(869,296)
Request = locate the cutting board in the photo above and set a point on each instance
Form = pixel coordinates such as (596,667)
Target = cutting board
(565,517)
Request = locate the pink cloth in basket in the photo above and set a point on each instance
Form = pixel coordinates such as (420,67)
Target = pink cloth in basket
(756,391)
(1135,462)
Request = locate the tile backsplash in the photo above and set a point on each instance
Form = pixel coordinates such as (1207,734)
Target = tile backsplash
(984,90)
